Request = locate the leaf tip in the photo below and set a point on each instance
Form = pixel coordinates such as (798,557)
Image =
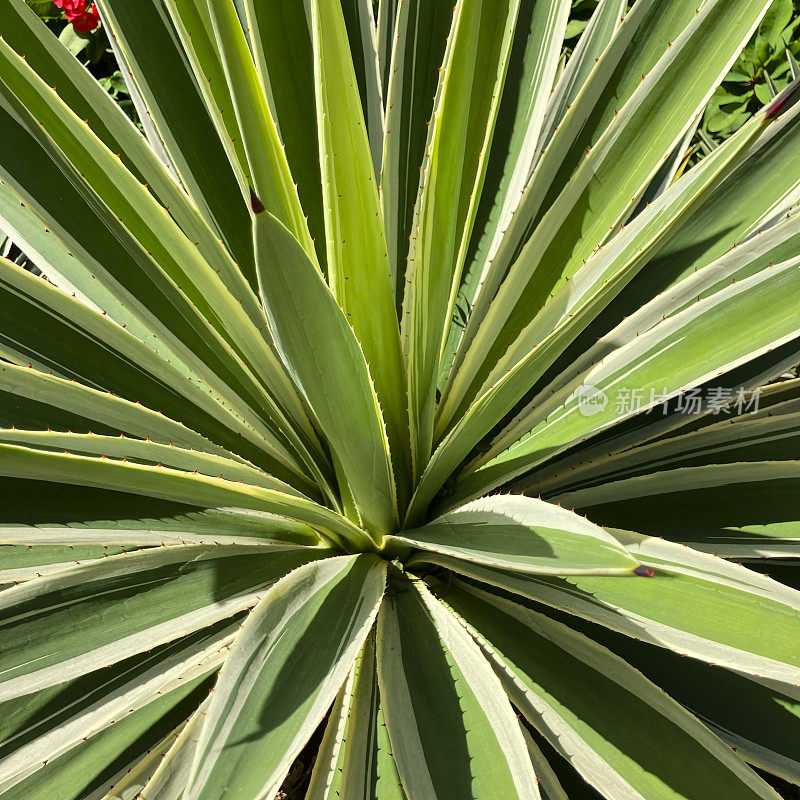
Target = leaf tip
(776,107)
(644,572)
(255,203)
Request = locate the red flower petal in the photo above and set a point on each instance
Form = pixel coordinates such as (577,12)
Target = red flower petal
(74,8)
(87,21)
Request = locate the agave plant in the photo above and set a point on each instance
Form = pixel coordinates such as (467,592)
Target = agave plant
(391,405)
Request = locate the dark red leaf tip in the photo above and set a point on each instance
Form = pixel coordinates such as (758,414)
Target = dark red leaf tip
(644,572)
(779,103)
(255,203)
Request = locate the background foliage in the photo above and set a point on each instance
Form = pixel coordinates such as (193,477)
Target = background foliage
(91,48)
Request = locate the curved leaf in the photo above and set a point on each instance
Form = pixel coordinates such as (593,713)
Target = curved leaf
(522,534)
(270,695)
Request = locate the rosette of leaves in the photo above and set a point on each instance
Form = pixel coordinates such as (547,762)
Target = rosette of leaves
(296,456)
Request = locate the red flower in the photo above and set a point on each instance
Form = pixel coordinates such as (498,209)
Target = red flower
(82,19)
(87,21)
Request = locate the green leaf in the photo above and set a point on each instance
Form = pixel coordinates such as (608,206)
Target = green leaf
(355,759)
(385,23)
(775,245)
(147,41)
(89,769)
(269,169)
(88,101)
(167,270)
(169,779)
(461,132)
(763,725)
(632,52)
(754,435)
(74,715)
(41,400)
(193,27)
(695,605)
(733,510)
(596,36)
(73,41)
(83,517)
(270,695)
(282,49)
(671,357)
(358,264)
(620,162)
(550,787)
(35,329)
(302,310)
(539,345)
(169,484)
(521,534)
(359,19)
(756,190)
(147,452)
(24,562)
(412,74)
(533,61)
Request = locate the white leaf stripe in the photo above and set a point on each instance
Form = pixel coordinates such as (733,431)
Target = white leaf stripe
(169,780)
(329,755)
(148,536)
